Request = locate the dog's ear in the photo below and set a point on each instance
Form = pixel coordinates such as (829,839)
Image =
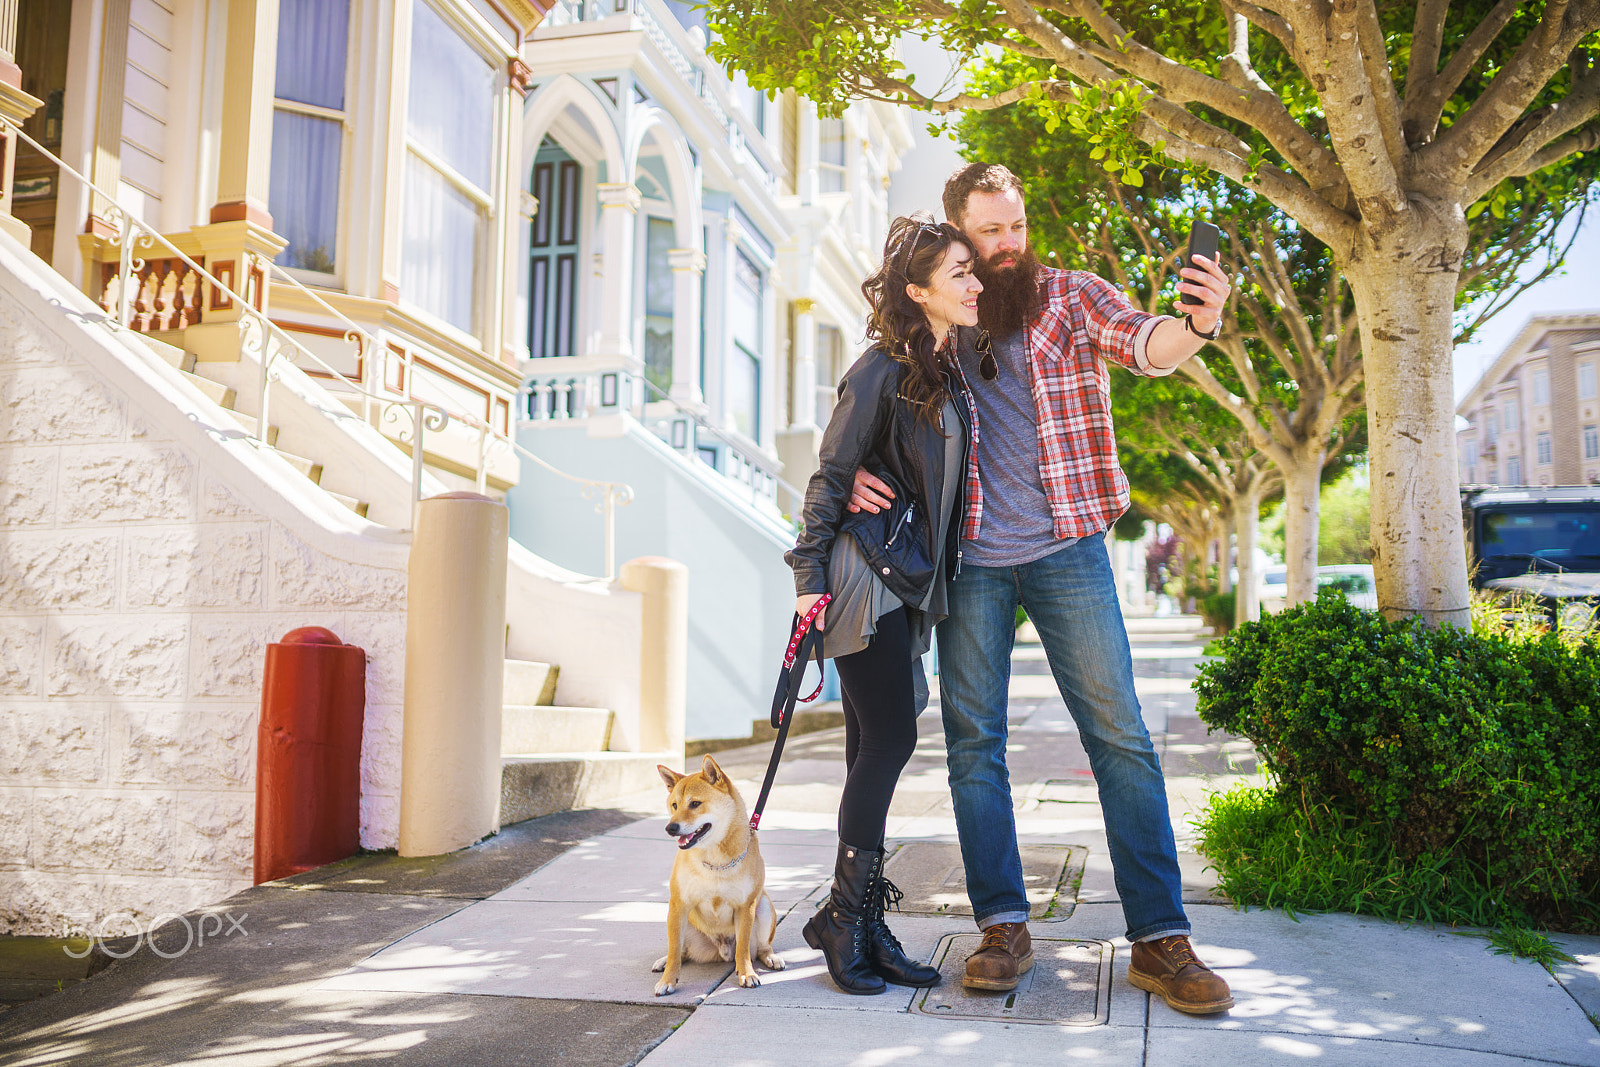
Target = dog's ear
(668,775)
(714,774)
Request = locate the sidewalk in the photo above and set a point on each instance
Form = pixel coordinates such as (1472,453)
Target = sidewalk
(535,948)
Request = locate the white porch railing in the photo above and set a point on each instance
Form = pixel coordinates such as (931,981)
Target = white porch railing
(163,300)
(555,397)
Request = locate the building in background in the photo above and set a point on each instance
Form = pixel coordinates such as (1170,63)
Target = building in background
(1534,416)
(364,149)
(692,296)
(287,309)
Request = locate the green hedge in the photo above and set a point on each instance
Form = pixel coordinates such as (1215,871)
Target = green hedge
(1473,756)
(1217,611)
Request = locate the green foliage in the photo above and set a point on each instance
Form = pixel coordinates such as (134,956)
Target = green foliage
(1467,759)
(1344,524)
(1524,944)
(1217,611)
(1269,852)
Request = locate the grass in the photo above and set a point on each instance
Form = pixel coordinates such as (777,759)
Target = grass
(1523,944)
(1314,859)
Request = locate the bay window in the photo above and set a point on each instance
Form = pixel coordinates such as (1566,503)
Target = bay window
(449,160)
(308,127)
(743,391)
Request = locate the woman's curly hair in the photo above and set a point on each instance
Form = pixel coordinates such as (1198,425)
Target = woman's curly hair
(913,251)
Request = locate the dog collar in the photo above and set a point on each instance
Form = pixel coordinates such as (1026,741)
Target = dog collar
(730,864)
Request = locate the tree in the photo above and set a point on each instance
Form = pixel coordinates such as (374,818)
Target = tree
(1213,478)
(1289,373)
(1338,112)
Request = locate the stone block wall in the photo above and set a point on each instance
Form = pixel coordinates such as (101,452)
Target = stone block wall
(139,588)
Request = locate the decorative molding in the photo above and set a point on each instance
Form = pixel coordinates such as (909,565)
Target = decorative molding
(619,194)
(241,211)
(520,75)
(690,259)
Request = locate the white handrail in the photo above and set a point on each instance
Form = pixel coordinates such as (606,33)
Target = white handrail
(129,231)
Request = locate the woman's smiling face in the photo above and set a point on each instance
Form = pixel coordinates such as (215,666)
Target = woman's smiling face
(951,295)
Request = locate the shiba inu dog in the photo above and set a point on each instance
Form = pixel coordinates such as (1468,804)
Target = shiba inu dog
(719,907)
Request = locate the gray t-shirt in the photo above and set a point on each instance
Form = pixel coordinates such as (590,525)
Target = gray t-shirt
(1016,526)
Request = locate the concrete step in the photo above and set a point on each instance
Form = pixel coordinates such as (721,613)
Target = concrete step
(250,422)
(535,729)
(309,467)
(357,506)
(221,395)
(171,355)
(528,682)
(531,786)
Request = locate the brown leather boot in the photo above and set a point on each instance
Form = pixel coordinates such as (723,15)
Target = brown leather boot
(1169,968)
(1005,956)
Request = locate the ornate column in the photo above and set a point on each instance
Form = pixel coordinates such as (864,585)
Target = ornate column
(688,266)
(805,365)
(619,203)
(244,164)
(239,242)
(16,106)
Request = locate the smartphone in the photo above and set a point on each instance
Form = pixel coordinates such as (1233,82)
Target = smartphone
(1202,241)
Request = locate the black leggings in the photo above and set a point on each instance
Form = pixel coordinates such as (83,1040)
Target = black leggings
(880,729)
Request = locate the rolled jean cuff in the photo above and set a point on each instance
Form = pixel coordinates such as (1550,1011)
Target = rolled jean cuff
(1166,930)
(995,918)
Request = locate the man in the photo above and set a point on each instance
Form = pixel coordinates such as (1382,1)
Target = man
(1043,485)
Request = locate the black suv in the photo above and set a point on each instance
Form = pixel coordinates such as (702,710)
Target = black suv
(1538,542)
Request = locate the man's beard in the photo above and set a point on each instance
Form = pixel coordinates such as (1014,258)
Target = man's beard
(1010,294)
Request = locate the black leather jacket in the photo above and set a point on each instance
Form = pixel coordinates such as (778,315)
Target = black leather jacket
(874,427)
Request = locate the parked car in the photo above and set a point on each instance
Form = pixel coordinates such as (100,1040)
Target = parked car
(1537,546)
(1274,587)
(1354,579)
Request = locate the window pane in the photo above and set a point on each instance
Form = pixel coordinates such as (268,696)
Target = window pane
(441,247)
(313,37)
(1586,381)
(658,286)
(304,197)
(744,392)
(451,106)
(745,294)
(657,270)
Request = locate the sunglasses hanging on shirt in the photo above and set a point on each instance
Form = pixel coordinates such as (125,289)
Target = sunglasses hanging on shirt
(988,366)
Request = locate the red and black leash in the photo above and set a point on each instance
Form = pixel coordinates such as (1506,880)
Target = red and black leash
(805,643)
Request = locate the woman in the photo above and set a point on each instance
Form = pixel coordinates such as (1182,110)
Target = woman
(902,414)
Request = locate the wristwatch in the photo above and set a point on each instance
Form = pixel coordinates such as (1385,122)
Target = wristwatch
(1216,331)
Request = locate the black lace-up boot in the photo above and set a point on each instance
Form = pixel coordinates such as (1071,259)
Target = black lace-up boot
(884,952)
(839,928)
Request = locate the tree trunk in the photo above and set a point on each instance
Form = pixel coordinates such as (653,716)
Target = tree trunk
(1246,529)
(1302,513)
(1224,562)
(1404,285)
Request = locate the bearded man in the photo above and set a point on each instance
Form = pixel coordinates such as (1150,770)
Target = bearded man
(1042,487)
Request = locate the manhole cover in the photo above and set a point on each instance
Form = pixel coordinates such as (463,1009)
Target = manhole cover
(1069,985)
(934,880)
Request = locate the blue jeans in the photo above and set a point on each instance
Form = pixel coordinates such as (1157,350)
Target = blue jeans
(1071,597)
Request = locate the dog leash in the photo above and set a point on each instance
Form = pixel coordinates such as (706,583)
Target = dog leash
(805,642)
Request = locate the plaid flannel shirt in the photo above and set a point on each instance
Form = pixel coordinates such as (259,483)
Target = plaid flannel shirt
(1085,322)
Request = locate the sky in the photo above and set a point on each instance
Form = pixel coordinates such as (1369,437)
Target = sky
(920,180)
(1574,289)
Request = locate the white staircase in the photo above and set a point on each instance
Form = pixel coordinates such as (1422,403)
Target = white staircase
(226,397)
(557,758)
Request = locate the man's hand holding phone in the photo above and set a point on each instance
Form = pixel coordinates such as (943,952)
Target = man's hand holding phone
(1202,287)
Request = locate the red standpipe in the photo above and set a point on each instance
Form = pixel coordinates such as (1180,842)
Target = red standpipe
(308,753)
